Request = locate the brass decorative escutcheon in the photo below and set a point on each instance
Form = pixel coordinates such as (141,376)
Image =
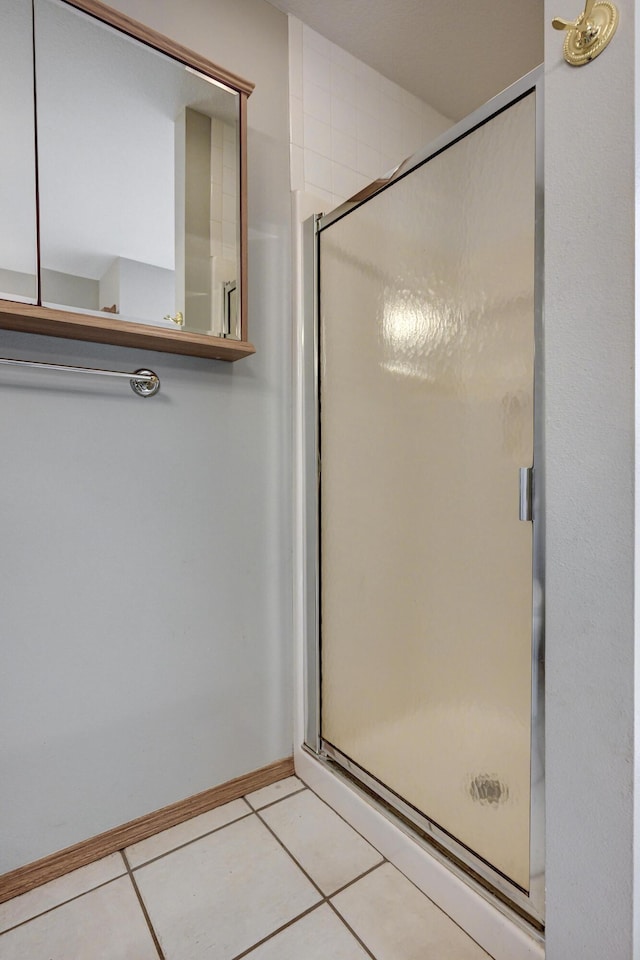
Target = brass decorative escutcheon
(588,36)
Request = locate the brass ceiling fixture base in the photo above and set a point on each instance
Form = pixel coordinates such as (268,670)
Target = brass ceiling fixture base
(588,36)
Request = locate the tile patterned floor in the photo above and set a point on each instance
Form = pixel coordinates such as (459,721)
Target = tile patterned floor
(275,876)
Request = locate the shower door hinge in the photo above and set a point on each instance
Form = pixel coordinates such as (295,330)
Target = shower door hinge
(526,493)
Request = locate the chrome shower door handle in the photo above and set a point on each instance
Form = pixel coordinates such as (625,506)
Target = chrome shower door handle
(526,493)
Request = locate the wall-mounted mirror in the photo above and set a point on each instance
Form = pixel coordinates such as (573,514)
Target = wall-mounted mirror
(140,185)
(18,247)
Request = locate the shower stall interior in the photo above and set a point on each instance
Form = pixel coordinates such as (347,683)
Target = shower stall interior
(425,542)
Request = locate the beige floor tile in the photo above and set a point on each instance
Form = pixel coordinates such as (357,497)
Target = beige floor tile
(318,936)
(174,837)
(276,791)
(397,922)
(324,845)
(55,892)
(106,924)
(223,893)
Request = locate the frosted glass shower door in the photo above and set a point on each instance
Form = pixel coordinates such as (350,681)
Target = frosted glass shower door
(426,400)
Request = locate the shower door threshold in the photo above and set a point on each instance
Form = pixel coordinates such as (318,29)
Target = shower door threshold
(503,893)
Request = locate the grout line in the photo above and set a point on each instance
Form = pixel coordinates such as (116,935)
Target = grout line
(325,897)
(385,860)
(434,904)
(156,942)
(351,931)
(188,843)
(62,903)
(250,811)
(279,800)
(344,819)
(125,870)
(361,876)
(285,926)
(289,854)
(257,813)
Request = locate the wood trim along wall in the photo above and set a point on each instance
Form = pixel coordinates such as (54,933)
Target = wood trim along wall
(80,854)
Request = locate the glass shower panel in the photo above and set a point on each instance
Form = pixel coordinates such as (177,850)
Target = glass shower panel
(427,359)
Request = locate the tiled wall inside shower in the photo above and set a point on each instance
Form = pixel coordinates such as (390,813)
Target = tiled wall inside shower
(348,123)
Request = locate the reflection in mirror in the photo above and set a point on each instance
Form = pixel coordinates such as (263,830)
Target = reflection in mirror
(139,203)
(18,247)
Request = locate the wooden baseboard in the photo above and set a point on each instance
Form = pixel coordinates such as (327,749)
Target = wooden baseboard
(80,854)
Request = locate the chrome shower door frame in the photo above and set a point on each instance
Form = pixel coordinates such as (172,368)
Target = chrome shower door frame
(518,903)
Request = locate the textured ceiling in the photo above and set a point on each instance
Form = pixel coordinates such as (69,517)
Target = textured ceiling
(454,54)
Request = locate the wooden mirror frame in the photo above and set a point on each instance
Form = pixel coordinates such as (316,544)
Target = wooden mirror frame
(34,318)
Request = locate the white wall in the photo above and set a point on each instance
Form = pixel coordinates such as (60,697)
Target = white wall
(589,357)
(145,544)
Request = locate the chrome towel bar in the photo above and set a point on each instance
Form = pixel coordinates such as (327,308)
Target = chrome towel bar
(145,383)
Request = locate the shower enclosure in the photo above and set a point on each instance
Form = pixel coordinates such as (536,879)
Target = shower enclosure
(424,420)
